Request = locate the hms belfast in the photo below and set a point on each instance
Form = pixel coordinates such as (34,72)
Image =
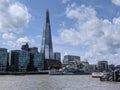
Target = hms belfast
(47,48)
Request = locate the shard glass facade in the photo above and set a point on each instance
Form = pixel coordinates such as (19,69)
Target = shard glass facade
(46,47)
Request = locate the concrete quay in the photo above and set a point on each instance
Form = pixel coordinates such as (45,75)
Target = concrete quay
(24,73)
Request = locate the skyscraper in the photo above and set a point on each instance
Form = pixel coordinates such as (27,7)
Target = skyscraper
(46,47)
(46,54)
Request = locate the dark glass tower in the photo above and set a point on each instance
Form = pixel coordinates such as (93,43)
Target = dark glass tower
(46,47)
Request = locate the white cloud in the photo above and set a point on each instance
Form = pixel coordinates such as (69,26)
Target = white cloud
(116,2)
(70,36)
(13,16)
(101,35)
(14,42)
(23,40)
(87,22)
(8,36)
(56,40)
(81,13)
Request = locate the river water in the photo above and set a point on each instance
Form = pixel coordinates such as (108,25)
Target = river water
(54,82)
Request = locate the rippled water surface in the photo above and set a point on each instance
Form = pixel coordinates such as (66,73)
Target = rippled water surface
(49,82)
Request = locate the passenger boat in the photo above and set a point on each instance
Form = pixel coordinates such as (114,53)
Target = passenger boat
(97,74)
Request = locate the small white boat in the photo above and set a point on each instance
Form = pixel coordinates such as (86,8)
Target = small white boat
(97,74)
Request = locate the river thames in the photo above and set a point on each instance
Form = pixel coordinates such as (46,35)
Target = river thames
(54,82)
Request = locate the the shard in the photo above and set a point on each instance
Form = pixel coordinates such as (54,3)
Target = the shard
(46,47)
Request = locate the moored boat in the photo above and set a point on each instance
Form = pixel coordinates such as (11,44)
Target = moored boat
(97,74)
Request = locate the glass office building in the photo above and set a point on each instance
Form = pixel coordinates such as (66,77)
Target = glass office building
(20,60)
(3,59)
(57,56)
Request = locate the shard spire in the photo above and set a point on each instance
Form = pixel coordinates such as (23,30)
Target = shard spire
(47,16)
(46,47)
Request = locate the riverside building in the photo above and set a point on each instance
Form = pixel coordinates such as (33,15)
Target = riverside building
(3,59)
(35,59)
(57,56)
(102,66)
(70,58)
(19,60)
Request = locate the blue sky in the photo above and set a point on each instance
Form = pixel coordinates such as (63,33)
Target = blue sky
(87,28)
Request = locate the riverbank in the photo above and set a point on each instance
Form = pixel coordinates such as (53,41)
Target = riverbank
(24,73)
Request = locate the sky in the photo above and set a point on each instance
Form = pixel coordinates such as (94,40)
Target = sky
(86,28)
